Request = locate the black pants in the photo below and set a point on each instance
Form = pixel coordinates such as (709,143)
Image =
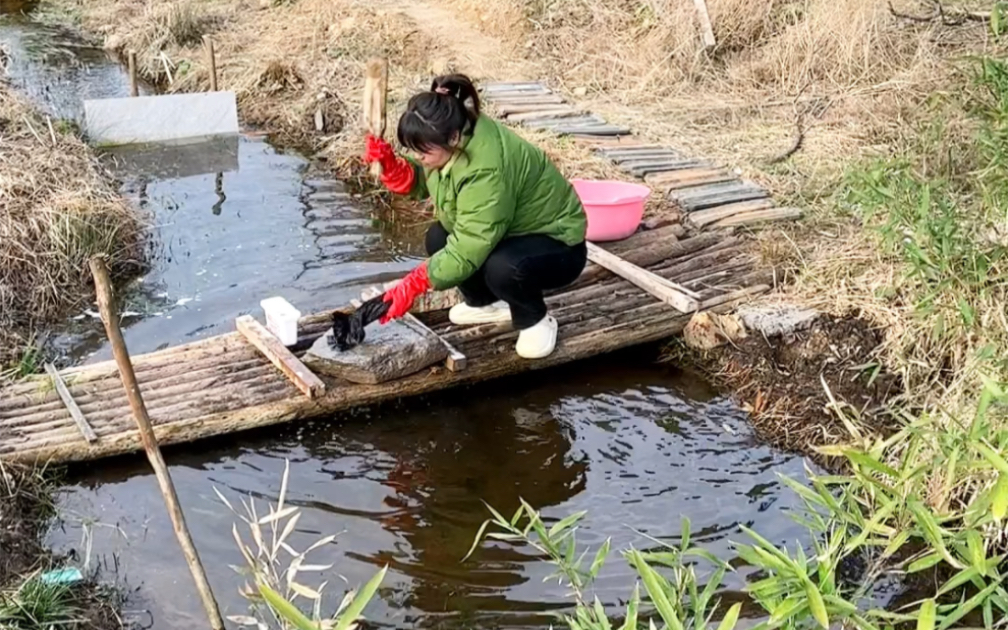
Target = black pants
(517,271)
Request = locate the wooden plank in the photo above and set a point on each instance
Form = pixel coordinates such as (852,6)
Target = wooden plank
(706,28)
(506,88)
(540,114)
(531,99)
(760,216)
(689,177)
(594,130)
(512,109)
(664,154)
(643,168)
(676,296)
(703,197)
(713,215)
(456,361)
(270,347)
(631,149)
(71,405)
(549,123)
(599,142)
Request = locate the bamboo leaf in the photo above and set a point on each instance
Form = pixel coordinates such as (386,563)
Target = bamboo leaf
(816,604)
(653,586)
(273,517)
(731,618)
(993,457)
(325,540)
(925,563)
(363,597)
(477,540)
(226,502)
(999,502)
(566,522)
(787,609)
(630,623)
(977,552)
(600,558)
(926,616)
(600,615)
(862,459)
(305,591)
(932,531)
(285,609)
(967,607)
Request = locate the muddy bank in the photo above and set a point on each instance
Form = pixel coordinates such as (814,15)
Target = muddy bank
(780,381)
(26,512)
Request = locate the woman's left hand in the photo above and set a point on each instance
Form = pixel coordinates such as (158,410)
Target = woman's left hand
(405,292)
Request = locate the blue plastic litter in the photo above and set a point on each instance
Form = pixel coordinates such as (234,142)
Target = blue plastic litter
(68,575)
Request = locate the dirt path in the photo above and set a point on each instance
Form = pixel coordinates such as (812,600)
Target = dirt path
(468,49)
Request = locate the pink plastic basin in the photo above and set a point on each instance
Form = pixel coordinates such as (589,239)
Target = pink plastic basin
(614,209)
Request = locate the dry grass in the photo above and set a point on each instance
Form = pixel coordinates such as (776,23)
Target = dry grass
(285,61)
(58,208)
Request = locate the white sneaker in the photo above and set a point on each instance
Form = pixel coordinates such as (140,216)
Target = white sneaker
(538,341)
(464,315)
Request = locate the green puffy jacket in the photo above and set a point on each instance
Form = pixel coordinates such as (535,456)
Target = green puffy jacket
(497,186)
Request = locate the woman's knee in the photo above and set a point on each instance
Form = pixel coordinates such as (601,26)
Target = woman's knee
(436,239)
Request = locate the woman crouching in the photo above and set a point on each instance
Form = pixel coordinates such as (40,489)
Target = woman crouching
(509,225)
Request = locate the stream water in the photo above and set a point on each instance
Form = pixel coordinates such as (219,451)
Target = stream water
(639,446)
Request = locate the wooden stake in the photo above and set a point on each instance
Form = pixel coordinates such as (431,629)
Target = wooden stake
(213,62)
(375,101)
(134,87)
(706,29)
(110,317)
(678,297)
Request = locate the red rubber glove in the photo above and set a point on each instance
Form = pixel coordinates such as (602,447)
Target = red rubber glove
(397,173)
(408,289)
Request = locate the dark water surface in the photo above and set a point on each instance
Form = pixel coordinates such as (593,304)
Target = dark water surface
(638,446)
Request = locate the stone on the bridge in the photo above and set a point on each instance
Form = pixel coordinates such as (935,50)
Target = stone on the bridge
(388,352)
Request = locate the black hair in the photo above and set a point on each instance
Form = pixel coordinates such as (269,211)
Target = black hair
(433,118)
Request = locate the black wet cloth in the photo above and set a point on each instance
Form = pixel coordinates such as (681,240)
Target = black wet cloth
(348,328)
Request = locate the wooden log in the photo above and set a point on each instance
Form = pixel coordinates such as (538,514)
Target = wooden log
(761,216)
(375,102)
(665,290)
(558,114)
(713,215)
(456,361)
(278,354)
(510,110)
(212,59)
(134,85)
(706,28)
(71,405)
(110,317)
(529,99)
(689,177)
(591,130)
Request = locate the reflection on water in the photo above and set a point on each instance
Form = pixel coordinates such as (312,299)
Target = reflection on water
(638,447)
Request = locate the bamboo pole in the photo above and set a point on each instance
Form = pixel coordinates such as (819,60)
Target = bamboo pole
(109,315)
(375,101)
(134,87)
(213,62)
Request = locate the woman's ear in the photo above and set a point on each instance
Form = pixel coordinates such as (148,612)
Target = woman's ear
(456,139)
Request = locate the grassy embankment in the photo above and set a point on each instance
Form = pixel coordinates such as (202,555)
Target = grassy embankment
(58,207)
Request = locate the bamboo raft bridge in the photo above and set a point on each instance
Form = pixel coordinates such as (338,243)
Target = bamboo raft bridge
(638,290)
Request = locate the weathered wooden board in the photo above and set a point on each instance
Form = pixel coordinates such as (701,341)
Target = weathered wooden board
(530,99)
(702,197)
(280,356)
(702,218)
(540,114)
(592,130)
(550,123)
(760,216)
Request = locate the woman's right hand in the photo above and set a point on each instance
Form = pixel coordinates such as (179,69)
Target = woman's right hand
(397,173)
